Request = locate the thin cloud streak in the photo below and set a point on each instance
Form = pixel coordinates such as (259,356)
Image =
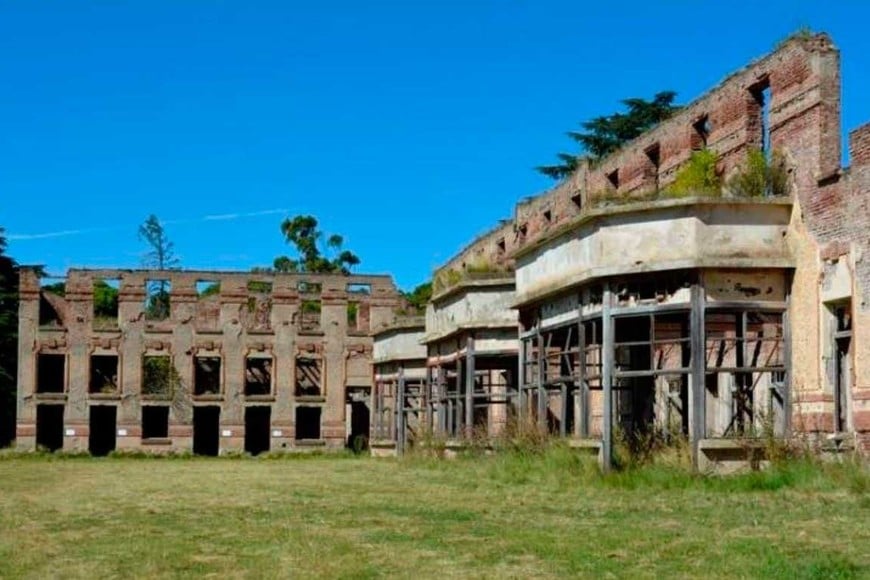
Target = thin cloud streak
(205,218)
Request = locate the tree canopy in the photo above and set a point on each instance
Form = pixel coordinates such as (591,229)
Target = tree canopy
(604,135)
(316,252)
(419,297)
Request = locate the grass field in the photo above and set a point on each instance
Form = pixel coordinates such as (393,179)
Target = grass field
(505,516)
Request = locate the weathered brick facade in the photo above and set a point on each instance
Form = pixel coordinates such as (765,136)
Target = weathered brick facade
(277,343)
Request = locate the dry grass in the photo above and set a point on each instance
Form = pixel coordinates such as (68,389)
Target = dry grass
(543,514)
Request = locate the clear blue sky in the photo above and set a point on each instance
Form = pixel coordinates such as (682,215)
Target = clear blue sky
(408,126)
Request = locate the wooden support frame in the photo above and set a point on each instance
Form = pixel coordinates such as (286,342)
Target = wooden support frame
(607,380)
(697,376)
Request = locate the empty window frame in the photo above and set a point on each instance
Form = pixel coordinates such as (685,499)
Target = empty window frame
(159,377)
(308,423)
(653,154)
(309,316)
(50,373)
(105,303)
(761,95)
(359,289)
(309,377)
(305,287)
(207,288)
(206,375)
(258,376)
(155,422)
(700,133)
(613,179)
(157,299)
(104,374)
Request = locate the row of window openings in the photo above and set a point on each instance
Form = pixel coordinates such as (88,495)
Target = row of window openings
(159,376)
(701,130)
(157,301)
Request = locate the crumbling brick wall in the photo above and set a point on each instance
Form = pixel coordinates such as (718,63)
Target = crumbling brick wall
(251,315)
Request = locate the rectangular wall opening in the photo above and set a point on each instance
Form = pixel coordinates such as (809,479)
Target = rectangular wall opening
(52,302)
(49,427)
(841,316)
(50,373)
(157,299)
(158,375)
(653,154)
(258,376)
(206,430)
(308,377)
(259,305)
(105,300)
(102,436)
(359,418)
(309,316)
(104,374)
(700,133)
(155,422)
(206,375)
(207,288)
(761,96)
(257,429)
(308,423)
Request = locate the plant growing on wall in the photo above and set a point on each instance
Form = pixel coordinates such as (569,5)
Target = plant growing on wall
(760,176)
(699,176)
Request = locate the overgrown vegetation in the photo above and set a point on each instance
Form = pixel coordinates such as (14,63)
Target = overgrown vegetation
(417,299)
(760,176)
(699,176)
(603,135)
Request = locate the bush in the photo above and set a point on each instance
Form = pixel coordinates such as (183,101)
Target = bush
(699,176)
(760,177)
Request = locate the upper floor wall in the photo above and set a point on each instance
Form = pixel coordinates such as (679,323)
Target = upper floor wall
(788,101)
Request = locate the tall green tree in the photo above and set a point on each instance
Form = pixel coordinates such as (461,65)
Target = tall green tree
(316,252)
(160,256)
(419,297)
(8,342)
(604,135)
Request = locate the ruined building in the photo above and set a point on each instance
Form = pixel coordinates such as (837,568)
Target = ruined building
(711,278)
(209,362)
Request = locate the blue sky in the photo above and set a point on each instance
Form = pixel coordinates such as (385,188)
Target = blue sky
(407,126)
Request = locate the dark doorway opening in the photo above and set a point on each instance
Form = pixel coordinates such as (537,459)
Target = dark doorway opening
(206,430)
(102,437)
(360,418)
(155,422)
(49,427)
(308,423)
(257,425)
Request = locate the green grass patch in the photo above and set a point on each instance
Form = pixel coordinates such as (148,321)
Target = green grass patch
(545,512)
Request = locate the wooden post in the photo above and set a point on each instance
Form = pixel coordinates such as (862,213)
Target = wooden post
(541,378)
(469,386)
(697,398)
(606,380)
(400,413)
(786,386)
(582,390)
(521,379)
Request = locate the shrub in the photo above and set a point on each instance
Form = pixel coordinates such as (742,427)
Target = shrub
(760,177)
(699,176)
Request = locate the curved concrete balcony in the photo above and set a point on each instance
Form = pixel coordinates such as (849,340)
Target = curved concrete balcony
(656,236)
(473,304)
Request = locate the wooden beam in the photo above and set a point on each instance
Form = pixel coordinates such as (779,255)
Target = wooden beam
(606,380)
(697,392)
(469,386)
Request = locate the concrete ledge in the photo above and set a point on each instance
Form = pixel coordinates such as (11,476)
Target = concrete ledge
(382,448)
(724,456)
